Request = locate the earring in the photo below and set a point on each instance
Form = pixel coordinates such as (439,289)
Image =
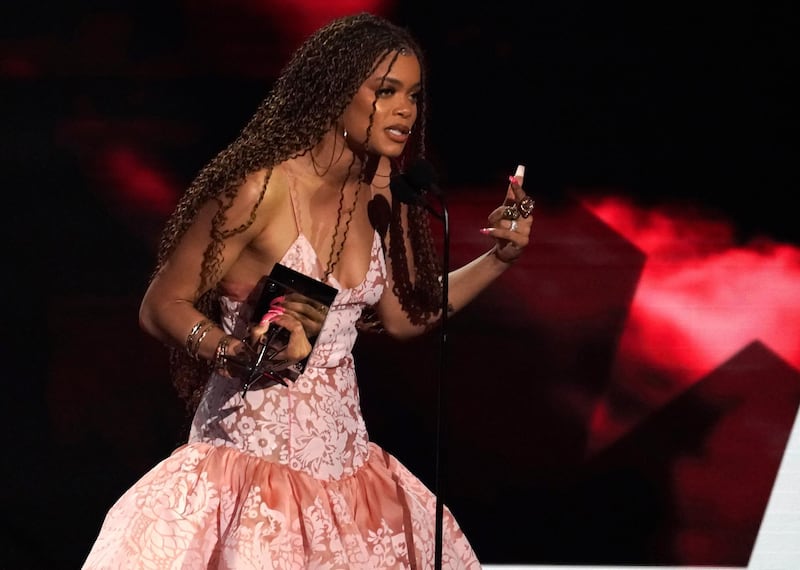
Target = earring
(344,132)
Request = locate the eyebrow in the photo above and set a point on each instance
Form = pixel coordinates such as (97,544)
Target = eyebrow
(395,82)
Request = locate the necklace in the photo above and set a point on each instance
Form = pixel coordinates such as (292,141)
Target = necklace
(330,162)
(379,175)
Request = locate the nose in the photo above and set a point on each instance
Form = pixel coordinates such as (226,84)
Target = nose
(404,109)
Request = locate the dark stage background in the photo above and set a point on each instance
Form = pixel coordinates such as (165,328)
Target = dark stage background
(623,395)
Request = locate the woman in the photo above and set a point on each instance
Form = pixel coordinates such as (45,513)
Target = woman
(284,476)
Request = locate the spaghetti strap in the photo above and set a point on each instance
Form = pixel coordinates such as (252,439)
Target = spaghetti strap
(295,209)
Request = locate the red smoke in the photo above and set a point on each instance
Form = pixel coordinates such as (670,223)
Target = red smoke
(701,299)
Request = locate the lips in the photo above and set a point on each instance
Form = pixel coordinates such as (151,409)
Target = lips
(398,133)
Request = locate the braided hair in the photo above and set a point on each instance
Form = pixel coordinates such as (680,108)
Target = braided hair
(306,100)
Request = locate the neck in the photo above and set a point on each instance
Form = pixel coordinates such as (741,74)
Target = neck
(333,161)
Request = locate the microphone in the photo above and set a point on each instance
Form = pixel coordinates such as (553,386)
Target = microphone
(421,175)
(411,186)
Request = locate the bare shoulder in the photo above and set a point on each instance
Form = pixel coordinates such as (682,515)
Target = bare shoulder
(251,197)
(253,189)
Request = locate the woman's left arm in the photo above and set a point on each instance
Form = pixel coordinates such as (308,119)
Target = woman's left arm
(465,283)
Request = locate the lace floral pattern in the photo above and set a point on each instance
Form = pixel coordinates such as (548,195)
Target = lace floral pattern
(286,477)
(312,425)
(214,507)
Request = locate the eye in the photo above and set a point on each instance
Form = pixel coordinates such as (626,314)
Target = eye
(415,96)
(385,92)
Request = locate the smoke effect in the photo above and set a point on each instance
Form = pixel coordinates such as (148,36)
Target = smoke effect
(701,299)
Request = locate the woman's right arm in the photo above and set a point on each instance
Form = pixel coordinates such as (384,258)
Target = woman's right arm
(167,311)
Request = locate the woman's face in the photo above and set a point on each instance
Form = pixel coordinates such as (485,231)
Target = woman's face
(395,99)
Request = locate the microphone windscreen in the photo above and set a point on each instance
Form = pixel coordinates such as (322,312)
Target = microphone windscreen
(402,189)
(420,175)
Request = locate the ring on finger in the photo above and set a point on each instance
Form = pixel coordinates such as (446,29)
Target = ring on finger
(513,226)
(511,212)
(526,206)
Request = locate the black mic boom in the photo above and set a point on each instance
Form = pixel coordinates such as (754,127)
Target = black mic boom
(421,176)
(410,186)
(403,191)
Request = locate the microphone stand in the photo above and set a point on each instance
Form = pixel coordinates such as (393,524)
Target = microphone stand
(411,190)
(440,387)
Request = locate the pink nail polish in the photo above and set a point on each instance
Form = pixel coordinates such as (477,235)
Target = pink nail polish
(270,315)
(486,231)
(512,179)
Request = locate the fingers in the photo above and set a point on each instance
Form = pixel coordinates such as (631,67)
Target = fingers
(304,308)
(515,192)
(510,223)
(259,330)
(517,203)
(309,312)
(515,231)
(298,347)
(519,174)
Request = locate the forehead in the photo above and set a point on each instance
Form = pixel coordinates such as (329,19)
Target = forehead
(406,67)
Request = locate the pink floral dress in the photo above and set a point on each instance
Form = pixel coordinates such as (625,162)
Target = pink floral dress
(285,477)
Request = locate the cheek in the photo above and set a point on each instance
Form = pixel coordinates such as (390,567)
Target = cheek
(357,121)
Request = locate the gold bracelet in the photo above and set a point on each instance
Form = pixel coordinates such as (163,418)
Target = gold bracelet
(196,348)
(191,344)
(222,352)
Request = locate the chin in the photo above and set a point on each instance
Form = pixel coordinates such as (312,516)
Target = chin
(389,151)
(385,152)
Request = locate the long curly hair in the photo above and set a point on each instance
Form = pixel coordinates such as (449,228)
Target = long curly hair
(306,101)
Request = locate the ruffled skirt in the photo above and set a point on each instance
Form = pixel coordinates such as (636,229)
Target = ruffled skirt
(216,507)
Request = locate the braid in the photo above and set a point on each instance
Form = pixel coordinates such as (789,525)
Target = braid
(422,298)
(428,285)
(337,252)
(305,101)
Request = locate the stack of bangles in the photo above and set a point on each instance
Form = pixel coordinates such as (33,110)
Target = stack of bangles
(222,352)
(195,338)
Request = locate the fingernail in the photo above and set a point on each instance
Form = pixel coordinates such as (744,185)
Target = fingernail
(512,179)
(270,315)
(486,231)
(520,173)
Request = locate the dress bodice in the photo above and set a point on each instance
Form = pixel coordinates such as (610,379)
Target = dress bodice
(314,424)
